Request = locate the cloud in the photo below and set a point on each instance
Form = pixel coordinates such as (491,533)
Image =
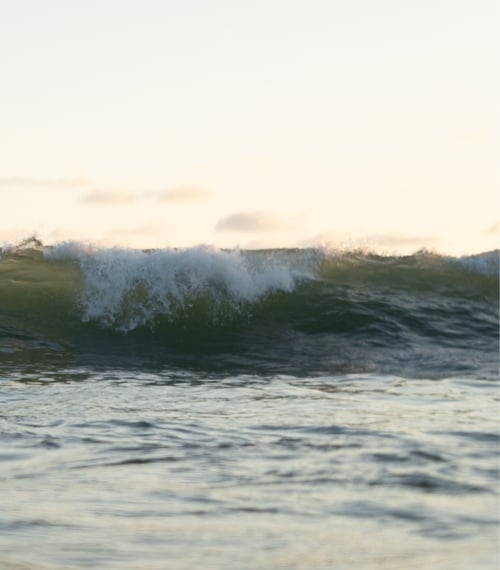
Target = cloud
(150,228)
(109,198)
(388,241)
(184,194)
(149,234)
(493,230)
(253,222)
(64,182)
(398,240)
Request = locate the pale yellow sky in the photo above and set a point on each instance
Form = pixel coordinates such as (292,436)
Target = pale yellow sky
(270,123)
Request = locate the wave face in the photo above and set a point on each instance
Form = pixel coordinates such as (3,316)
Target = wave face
(288,311)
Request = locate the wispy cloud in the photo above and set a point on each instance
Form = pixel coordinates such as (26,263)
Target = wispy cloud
(388,241)
(153,233)
(63,182)
(184,194)
(117,197)
(110,197)
(398,240)
(150,228)
(250,222)
(493,230)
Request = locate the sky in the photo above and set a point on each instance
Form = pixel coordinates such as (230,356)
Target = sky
(270,123)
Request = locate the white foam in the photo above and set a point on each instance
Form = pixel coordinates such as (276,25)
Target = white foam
(127,288)
(485,263)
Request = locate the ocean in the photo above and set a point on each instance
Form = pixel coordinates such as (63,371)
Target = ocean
(231,409)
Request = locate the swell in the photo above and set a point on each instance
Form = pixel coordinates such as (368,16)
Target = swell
(279,309)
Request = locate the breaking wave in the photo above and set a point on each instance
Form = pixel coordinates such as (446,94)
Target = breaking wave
(311,306)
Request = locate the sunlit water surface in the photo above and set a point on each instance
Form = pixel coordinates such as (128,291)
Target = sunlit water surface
(126,469)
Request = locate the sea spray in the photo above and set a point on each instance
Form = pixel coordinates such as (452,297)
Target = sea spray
(129,288)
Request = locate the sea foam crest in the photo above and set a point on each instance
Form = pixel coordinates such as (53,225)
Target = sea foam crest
(128,288)
(487,263)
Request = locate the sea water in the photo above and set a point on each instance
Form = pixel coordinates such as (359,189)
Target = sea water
(199,408)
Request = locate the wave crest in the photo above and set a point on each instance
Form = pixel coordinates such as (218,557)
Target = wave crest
(128,288)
